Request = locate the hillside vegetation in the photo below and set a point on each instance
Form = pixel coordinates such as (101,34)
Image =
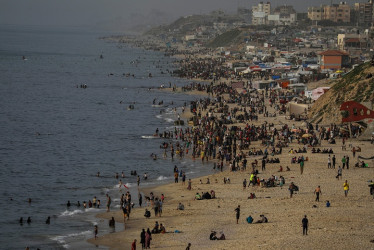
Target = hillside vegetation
(357,85)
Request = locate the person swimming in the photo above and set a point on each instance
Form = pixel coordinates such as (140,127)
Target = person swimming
(48,221)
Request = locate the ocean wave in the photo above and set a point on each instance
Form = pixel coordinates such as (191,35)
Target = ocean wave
(62,238)
(169,120)
(77,211)
(161,178)
(71,213)
(159,116)
(149,137)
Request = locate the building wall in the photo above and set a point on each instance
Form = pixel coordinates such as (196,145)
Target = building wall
(343,37)
(337,13)
(331,62)
(364,13)
(315,13)
(260,13)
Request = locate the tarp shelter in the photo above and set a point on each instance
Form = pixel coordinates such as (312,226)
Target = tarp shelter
(318,92)
(297,109)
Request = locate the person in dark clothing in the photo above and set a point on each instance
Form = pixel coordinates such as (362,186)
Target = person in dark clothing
(347,161)
(318,192)
(142,238)
(237,210)
(304,222)
(140,199)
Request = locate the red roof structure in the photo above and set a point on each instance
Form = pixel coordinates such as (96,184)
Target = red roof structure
(352,40)
(334,53)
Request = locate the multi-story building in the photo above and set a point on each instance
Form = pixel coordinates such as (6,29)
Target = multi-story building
(338,13)
(284,10)
(260,13)
(364,14)
(315,13)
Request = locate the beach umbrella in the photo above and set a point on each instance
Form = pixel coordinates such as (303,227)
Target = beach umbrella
(307,135)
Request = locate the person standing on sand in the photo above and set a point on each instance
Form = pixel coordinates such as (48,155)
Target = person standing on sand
(318,192)
(142,238)
(188,246)
(237,210)
(344,161)
(263,164)
(346,188)
(347,161)
(189,184)
(329,162)
(302,165)
(133,245)
(183,178)
(291,188)
(148,238)
(304,223)
(340,170)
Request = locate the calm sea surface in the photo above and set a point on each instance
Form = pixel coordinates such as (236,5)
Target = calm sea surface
(55,137)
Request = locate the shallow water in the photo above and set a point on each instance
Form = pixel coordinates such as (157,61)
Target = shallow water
(55,137)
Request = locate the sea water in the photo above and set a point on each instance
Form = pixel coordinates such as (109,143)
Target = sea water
(56,136)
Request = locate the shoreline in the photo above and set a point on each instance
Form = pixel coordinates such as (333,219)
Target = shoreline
(353,222)
(346,224)
(201,217)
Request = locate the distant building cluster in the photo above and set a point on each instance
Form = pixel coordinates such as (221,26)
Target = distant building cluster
(360,14)
(262,14)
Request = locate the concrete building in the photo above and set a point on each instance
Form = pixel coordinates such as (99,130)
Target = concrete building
(364,14)
(334,59)
(260,13)
(284,10)
(315,13)
(338,13)
(353,43)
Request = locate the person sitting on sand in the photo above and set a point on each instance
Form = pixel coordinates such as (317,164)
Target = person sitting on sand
(206,196)
(213,236)
(156,228)
(212,194)
(162,229)
(280,169)
(147,213)
(197,196)
(249,219)
(222,237)
(180,206)
(328,204)
(262,219)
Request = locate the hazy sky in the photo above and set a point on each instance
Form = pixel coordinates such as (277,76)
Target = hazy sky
(126,12)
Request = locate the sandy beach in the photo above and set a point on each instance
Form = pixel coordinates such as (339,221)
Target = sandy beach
(347,224)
